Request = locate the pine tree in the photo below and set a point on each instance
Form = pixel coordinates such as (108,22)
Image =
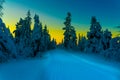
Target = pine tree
(69,34)
(81,43)
(45,40)
(23,36)
(73,38)
(114,51)
(53,44)
(9,33)
(94,37)
(107,36)
(36,35)
(46,37)
(7,46)
(18,32)
(115,43)
(27,29)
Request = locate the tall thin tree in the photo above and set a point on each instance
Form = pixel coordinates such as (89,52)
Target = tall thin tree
(69,34)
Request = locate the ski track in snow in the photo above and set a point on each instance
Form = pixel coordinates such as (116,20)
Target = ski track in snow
(58,65)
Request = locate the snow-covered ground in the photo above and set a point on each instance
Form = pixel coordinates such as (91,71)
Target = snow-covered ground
(58,65)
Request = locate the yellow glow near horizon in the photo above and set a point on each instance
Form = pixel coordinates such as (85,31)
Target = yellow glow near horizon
(12,15)
(57,33)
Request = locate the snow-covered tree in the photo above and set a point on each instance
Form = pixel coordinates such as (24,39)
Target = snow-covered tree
(23,36)
(73,38)
(9,33)
(94,37)
(45,40)
(53,44)
(27,29)
(36,35)
(106,39)
(18,32)
(7,46)
(69,34)
(115,43)
(81,43)
(114,51)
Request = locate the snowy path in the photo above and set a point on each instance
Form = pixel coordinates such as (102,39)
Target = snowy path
(58,65)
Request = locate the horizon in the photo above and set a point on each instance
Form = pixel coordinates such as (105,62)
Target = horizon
(54,17)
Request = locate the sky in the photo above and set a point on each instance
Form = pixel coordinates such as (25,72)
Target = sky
(53,13)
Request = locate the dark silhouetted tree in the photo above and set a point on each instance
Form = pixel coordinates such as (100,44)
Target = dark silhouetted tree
(114,51)
(53,44)
(7,46)
(69,34)
(27,29)
(94,37)
(45,40)
(107,36)
(81,43)
(36,35)
(23,36)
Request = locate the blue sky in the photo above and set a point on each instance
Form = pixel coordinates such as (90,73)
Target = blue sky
(53,12)
(81,10)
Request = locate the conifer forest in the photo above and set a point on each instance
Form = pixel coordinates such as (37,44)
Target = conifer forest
(75,57)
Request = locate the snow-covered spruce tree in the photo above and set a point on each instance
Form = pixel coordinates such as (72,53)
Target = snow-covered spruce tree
(23,36)
(70,39)
(115,43)
(81,43)
(107,36)
(27,30)
(94,37)
(7,46)
(9,33)
(53,44)
(18,31)
(36,35)
(114,51)
(45,40)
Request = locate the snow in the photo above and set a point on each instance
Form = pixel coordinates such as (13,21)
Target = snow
(58,65)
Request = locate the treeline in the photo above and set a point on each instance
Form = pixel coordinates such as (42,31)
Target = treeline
(26,42)
(34,42)
(31,42)
(97,41)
